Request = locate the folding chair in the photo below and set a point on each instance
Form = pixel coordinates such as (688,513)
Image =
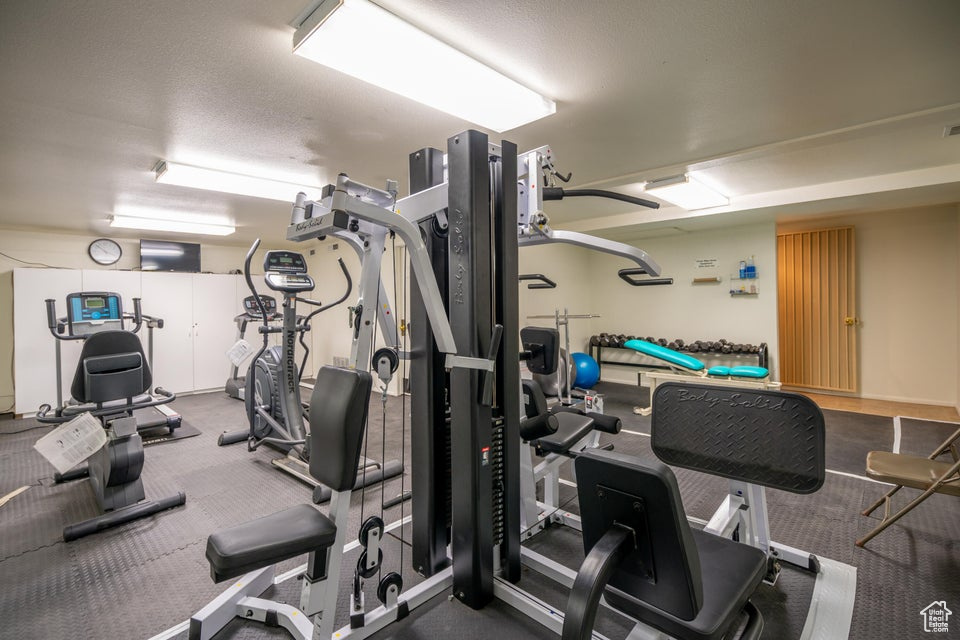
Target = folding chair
(927,474)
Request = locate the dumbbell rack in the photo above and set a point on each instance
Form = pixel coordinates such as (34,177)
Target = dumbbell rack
(596,352)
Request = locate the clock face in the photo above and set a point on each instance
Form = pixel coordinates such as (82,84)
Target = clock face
(104,251)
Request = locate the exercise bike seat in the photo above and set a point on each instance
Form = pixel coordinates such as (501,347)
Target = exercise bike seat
(268,540)
(571,428)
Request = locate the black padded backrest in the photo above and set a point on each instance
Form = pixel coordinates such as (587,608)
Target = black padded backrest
(112,343)
(769,438)
(544,346)
(534,402)
(338,417)
(619,490)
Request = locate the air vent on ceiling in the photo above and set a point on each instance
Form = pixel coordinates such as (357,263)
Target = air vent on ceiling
(951,131)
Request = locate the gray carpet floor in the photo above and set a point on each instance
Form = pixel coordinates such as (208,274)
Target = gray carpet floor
(141,578)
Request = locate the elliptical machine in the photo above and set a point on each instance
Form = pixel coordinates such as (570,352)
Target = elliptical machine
(275,412)
(235,386)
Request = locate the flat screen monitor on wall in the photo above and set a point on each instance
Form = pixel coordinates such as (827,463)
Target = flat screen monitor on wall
(161,255)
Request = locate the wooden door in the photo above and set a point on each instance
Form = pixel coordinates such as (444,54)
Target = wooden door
(818,322)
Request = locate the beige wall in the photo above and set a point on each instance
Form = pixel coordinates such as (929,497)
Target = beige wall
(569,267)
(686,310)
(69,251)
(907,281)
(331,333)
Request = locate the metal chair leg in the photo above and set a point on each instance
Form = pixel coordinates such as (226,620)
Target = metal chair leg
(883,499)
(889,520)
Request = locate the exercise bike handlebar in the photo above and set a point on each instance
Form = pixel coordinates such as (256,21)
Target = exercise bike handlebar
(69,412)
(137,316)
(57,325)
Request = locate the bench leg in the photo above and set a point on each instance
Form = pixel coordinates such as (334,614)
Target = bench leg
(207,622)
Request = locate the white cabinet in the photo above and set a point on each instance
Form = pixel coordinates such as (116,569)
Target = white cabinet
(214,307)
(125,283)
(34,361)
(198,311)
(169,296)
(189,352)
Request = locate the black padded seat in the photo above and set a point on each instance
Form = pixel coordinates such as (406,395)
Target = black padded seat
(268,540)
(572,427)
(731,572)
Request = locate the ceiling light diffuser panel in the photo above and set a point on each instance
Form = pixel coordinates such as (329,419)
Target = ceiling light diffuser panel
(687,193)
(365,41)
(175,226)
(227,182)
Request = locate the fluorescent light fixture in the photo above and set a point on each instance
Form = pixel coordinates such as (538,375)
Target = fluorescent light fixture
(226,182)
(687,193)
(368,42)
(176,226)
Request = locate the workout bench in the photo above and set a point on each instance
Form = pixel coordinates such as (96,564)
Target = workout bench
(686,366)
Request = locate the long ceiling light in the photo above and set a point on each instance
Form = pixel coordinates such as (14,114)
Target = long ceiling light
(368,42)
(226,182)
(686,192)
(176,226)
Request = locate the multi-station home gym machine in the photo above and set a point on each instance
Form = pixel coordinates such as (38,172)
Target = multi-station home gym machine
(462,226)
(469,211)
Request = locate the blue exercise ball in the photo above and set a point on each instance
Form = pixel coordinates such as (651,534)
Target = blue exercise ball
(588,371)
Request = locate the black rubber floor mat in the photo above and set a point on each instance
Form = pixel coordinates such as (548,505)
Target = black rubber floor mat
(851,435)
(922,437)
(162,435)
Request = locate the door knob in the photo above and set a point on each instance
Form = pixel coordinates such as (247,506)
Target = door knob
(850,321)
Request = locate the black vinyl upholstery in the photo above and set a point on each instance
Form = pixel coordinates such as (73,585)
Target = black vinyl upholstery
(124,379)
(770,438)
(571,428)
(534,402)
(338,417)
(268,540)
(689,584)
(572,425)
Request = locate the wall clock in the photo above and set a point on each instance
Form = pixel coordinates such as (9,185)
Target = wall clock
(104,251)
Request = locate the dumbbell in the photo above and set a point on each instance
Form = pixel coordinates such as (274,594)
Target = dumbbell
(662,342)
(726,348)
(605,340)
(651,340)
(594,340)
(722,341)
(673,345)
(680,342)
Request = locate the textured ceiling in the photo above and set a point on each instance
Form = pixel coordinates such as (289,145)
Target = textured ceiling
(760,96)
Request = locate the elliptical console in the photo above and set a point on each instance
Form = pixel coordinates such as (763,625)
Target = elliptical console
(286,271)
